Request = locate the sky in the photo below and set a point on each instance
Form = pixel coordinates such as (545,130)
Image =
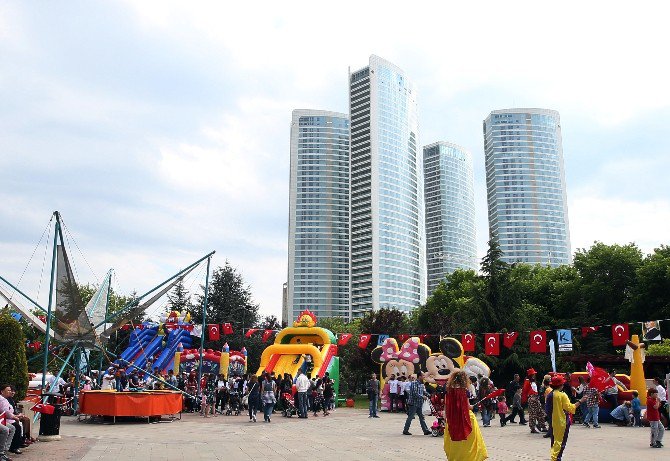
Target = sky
(160,129)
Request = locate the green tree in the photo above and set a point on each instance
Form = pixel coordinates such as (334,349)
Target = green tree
(353,364)
(651,296)
(496,304)
(609,275)
(13,364)
(180,299)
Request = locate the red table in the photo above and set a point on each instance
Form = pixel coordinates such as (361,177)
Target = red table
(141,404)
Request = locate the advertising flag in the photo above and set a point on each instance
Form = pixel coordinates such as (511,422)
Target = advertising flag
(381,339)
(564,338)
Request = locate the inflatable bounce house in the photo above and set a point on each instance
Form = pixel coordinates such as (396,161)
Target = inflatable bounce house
(416,357)
(230,363)
(293,345)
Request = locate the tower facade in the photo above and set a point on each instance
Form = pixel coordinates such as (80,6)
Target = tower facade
(450,211)
(387,247)
(318,238)
(525,181)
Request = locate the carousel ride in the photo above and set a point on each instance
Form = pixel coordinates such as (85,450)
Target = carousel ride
(69,324)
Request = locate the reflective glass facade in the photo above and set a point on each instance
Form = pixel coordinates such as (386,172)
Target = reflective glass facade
(387,248)
(318,266)
(450,211)
(525,182)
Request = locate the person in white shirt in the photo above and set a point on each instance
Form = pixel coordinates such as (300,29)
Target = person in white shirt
(393,393)
(662,398)
(108,380)
(303,385)
(7,431)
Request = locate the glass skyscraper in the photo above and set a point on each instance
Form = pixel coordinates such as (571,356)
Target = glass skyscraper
(387,247)
(318,238)
(450,211)
(525,181)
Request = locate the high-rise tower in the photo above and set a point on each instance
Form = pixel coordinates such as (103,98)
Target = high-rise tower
(525,181)
(387,247)
(450,211)
(318,238)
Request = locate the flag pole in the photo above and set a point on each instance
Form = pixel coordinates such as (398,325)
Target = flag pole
(204,321)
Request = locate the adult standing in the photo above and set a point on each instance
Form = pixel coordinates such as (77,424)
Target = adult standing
(328,393)
(415,398)
(462,437)
(611,394)
(393,393)
(663,399)
(269,397)
(373,394)
(253,397)
(536,414)
(558,408)
(512,386)
(302,385)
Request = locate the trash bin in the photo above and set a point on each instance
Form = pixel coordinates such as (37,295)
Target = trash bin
(50,422)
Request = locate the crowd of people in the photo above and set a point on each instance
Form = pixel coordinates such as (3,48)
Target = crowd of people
(15,428)
(532,398)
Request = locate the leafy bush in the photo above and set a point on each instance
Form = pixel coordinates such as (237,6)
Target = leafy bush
(662,348)
(13,364)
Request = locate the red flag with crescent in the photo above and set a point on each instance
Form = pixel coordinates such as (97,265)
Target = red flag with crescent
(620,334)
(344,339)
(587,330)
(538,341)
(250,332)
(267,334)
(468,341)
(227,329)
(492,343)
(364,340)
(510,338)
(403,338)
(214,332)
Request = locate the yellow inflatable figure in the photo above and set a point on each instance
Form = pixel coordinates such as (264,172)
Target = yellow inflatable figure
(637,381)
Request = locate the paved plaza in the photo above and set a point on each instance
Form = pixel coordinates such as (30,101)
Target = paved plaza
(346,434)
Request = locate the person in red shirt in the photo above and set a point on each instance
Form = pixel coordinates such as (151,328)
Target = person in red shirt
(654,418)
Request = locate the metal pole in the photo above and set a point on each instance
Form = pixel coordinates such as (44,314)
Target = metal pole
(62,369)
(77,371)
(204,320)
(51,292)
(136,301)
(23,294)
(102,356)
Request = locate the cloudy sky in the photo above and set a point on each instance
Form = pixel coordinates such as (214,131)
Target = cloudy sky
(160,129)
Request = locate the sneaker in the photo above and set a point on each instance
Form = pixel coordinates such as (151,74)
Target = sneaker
(522,423)
(597,426)
(254,418)
(427,433)
(659,445)
(406,433)
(375,416)
(586,425)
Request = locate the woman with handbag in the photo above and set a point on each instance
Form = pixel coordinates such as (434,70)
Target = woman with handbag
(253,397)
(269,398)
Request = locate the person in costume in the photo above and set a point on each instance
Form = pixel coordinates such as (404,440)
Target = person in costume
(462,438)
(536,414)
(559,410)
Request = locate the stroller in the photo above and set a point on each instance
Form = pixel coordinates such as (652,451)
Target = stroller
(289,405)
(234,404)
(436,402)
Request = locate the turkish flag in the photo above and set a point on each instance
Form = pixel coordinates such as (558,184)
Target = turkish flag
(344,339)
(468,340)
(492,343)
(509,339)
(620,334)
(600,379)
(402,338)
(422,338)
(538,341)
(126,327)
(364,340)
(267,334)
(587,330)
(227,329)
(250,332)
(214,332)
(43,318)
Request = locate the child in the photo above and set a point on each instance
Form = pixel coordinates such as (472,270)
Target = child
(654,418)
(517,408)
(637,410)
(502,411)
